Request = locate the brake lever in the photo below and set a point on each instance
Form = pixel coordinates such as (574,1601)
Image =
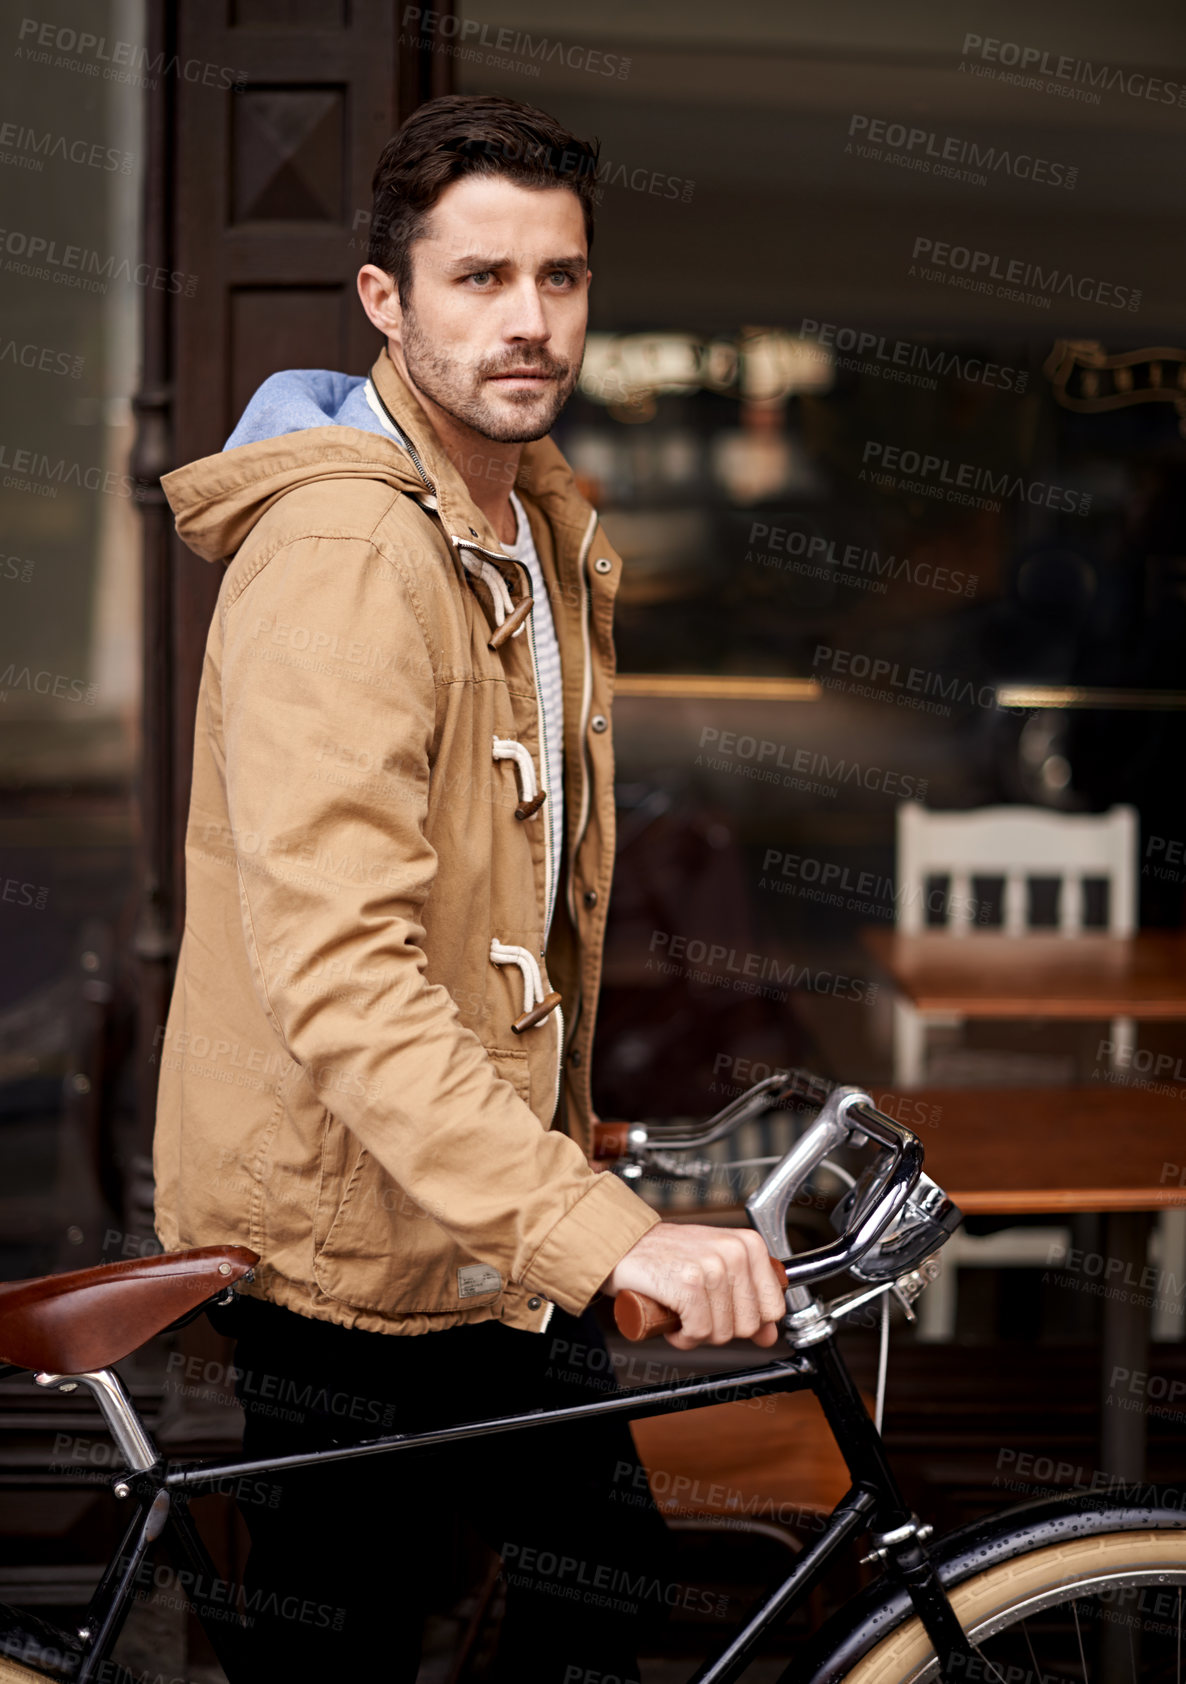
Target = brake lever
(847,1113)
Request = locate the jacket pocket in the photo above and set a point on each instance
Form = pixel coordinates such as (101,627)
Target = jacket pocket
(382,1251)
(376,1249)
(514,1067)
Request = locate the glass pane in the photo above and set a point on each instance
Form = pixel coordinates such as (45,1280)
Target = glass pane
(842,417)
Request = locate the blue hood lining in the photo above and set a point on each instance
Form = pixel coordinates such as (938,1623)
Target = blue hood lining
(300,398)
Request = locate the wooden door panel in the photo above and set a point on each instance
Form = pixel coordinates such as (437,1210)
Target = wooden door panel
(261,145)
(270,179)
(295,327)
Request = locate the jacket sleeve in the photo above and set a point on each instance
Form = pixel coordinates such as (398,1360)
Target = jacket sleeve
(326,649)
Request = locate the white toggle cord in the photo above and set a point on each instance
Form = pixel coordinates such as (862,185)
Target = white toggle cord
(505,953)
(497,585)
(506,748)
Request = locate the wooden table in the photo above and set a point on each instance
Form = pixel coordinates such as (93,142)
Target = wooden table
(1114,1148)
(1084,976)
(1029,1151)
(1100,1148)
(1040,975)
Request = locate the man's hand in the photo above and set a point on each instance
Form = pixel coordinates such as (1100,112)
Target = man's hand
(717,1280)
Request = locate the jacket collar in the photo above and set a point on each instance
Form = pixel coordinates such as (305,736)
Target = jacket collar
(544,475)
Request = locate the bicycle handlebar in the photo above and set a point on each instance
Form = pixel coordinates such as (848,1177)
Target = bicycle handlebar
(639,1317)
(847,1117)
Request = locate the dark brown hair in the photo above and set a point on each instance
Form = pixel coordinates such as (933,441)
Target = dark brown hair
(468,134)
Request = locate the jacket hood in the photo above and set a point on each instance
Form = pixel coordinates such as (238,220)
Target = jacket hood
(303,425)
(310,424)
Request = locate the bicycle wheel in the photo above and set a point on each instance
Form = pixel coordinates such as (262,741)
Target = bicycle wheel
(1094,1609)
(12,1672)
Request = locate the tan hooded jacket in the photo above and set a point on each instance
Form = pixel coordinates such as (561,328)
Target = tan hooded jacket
(359,1076)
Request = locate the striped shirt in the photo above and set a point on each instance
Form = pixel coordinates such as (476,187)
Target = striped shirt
(547,658)
(551,690)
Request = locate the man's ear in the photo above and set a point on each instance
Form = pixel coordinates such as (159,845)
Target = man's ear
(380,299)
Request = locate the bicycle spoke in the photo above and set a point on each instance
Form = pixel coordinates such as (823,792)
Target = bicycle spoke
(1030,1646)
(1079,1635)
(992,1668)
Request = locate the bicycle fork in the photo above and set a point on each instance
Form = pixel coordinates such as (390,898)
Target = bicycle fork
(874,1504)
(899,1541)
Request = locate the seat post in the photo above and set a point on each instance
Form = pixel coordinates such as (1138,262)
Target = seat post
(122,1420)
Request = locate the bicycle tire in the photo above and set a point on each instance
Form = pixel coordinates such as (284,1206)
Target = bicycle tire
(12,1672)
(1006,1596)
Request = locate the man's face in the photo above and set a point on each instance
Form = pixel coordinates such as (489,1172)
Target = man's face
(493,329)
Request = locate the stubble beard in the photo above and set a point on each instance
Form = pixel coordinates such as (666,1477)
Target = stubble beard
(459,388)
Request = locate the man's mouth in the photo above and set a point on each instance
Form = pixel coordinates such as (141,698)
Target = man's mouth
(534,376)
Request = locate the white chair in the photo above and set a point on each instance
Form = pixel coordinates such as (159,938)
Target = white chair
(1015,844)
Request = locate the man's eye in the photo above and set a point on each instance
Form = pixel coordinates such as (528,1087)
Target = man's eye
(481,276)
(562,277)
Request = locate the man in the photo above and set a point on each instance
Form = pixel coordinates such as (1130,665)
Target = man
(376,1064)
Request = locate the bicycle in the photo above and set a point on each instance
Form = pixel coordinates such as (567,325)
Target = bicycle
(1085,1586)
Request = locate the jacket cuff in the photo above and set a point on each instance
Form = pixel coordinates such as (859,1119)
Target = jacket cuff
(588,1242)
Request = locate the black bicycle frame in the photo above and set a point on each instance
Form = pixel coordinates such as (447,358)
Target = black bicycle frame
(873,1504)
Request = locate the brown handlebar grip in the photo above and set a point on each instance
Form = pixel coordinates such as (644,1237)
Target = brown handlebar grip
(639,1317)
(610,1141)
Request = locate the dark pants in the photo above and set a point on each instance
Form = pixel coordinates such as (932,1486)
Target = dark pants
(344,1558)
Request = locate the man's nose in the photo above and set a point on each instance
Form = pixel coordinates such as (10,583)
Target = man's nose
(526,317)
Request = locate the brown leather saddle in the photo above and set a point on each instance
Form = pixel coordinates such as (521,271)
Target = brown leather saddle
(90,1318)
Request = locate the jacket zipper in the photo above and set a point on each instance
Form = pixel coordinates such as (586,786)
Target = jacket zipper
(463,544)
(549,880)
(579,828)
(375,402)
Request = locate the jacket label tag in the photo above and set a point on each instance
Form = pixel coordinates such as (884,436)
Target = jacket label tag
(477,1278)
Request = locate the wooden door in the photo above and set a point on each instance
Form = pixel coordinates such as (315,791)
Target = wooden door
(265,121)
